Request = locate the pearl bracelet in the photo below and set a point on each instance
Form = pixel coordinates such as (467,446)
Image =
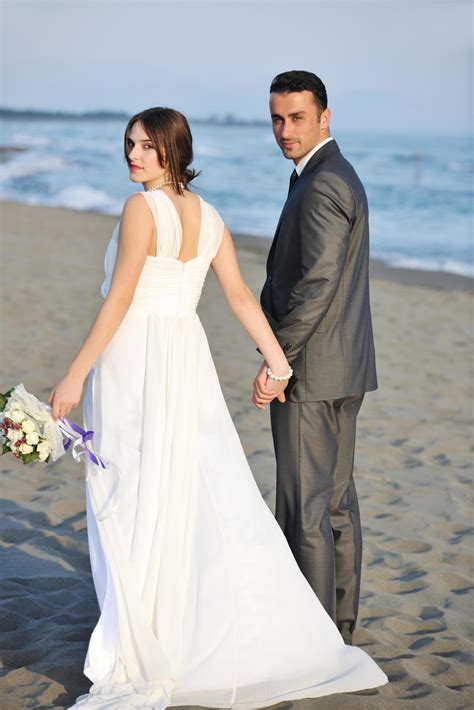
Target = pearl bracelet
(280,378)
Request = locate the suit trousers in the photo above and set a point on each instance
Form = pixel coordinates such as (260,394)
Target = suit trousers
(316,499)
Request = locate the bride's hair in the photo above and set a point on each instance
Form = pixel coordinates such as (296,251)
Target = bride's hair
(170,134)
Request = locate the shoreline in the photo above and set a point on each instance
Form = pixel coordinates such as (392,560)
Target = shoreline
(379,269)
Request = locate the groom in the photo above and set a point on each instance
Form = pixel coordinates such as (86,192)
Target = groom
(316,298)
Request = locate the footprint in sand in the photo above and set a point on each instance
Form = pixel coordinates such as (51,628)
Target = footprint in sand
(430,626)
(431,612)
(399,442)
(412,574)
(17,535)
(24,657)
(432,665)
(410,581)
(388,559)
(417,691)
(404,545)
(376,617)
(7,623)
(441,459)
(406,625)
(460,534)
(421,643)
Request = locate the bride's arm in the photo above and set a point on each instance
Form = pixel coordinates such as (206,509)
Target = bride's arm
(136,228)
(247,309)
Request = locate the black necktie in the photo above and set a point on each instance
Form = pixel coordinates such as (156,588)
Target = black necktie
(293,179)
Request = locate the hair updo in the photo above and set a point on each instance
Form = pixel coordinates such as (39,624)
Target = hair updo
(169,132)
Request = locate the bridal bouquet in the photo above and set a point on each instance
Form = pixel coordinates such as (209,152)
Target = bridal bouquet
(29,432)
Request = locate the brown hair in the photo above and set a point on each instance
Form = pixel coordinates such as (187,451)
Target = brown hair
(169,132)
(299,80)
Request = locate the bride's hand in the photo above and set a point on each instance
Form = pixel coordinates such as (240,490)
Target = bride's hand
(65,396)
(266,389)
(261,396)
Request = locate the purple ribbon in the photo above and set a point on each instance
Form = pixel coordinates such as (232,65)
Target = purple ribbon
(85,437)
(79,438)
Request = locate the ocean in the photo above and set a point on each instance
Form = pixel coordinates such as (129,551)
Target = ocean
(420,188)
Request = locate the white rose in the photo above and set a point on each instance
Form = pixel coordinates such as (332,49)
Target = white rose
(43,449)
(7,413)
(13,434)
(26,449)
(32,438)
(28,426)
(17,415)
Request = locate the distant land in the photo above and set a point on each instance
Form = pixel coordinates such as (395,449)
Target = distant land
(227,119)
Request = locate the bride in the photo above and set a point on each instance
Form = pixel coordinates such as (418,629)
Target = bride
(201,601)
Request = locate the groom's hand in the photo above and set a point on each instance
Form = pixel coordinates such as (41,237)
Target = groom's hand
(265,390)
(277,388)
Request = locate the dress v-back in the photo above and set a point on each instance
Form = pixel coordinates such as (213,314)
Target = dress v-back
(201,600)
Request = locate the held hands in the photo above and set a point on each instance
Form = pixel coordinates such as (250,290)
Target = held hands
(265,389)
(65,396)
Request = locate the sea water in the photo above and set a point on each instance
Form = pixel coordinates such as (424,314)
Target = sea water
(420,188)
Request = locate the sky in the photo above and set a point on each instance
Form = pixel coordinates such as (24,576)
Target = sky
(389,66)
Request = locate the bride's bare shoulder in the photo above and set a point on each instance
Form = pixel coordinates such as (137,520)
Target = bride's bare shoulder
(136,209)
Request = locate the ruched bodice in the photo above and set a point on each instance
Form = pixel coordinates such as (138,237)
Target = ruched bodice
(168,286)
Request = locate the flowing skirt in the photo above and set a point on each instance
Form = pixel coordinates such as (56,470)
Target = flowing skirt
(201,600)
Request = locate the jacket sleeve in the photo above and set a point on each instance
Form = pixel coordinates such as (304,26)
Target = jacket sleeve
(327,212)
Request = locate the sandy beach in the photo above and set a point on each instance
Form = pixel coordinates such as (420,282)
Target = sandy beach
(413,469)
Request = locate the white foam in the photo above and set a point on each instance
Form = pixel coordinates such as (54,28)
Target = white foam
(207,151)
(29,140)
(460,167)
(26,165)
(84,197)
(451,266)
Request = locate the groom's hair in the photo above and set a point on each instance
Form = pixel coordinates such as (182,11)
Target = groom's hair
(298,80)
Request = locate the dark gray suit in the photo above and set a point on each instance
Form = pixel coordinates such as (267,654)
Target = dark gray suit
(316,298)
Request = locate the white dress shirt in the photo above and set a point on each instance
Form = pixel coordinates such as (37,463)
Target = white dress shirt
(304,161)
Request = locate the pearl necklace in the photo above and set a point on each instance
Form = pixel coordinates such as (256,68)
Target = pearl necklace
(162,184)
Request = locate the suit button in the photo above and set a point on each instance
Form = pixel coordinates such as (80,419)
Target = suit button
(269,278)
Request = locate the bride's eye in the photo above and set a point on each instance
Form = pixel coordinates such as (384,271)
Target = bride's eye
(148,145)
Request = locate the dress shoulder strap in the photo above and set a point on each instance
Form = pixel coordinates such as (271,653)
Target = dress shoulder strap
(167,222)
(214,228)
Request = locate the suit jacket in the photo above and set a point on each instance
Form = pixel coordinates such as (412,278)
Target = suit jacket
(316,295)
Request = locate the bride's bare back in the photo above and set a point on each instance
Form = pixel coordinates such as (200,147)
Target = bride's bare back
(188,208)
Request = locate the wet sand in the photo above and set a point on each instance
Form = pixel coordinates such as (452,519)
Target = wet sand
(413,469)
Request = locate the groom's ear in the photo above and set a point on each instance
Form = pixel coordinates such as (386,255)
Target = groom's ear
(325,119)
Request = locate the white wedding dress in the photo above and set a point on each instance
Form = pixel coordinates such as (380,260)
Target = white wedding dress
(201,600)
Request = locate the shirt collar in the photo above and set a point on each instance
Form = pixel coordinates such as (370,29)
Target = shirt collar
(304,161)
